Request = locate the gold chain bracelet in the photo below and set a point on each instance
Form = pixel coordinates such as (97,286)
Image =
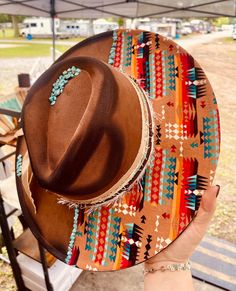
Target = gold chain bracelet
(172,268)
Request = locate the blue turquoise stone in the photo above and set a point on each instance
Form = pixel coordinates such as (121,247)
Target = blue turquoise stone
(52,98)
(60,83)
(57,92)
(56,85)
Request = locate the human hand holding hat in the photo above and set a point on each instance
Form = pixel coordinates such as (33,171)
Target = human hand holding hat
(181,249)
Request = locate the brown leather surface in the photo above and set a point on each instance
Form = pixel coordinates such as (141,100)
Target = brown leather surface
(97,46)
(52,223)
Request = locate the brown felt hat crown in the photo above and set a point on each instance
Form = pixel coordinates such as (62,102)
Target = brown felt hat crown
(87,141)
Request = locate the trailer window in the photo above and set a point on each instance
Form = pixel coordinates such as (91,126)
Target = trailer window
(33,24)
(41,24)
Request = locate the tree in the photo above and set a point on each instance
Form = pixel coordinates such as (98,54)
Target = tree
(120,22)
(221,21)
(15,25)
(5,18)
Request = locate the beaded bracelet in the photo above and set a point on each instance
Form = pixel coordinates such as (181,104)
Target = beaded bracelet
(172,268)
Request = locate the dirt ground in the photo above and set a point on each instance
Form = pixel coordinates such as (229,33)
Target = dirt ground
(218,60)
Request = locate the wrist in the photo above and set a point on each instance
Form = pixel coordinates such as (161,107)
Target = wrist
(167,258)
(166,266)
(169,281)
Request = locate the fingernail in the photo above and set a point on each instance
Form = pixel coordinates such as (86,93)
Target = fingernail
(218,191)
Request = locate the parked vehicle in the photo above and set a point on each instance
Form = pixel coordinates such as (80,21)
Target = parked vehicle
(41,27)
(201,26)
(234,32)
(186,28)
(38,27)
(234,35)
(168,28)
(102,25)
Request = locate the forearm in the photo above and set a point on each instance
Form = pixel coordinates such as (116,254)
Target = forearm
(168,281)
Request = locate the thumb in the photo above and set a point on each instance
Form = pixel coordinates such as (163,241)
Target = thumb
(197,228)
(207,206)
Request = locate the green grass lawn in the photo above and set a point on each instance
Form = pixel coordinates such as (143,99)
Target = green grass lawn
(228,39)
(28,50)
(8,33)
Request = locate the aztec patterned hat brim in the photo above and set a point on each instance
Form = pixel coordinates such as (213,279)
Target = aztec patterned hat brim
(161,205)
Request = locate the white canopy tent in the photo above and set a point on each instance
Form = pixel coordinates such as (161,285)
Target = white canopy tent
(118,8)
(92,9)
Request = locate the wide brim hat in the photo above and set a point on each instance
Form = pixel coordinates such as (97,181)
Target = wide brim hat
(157,206)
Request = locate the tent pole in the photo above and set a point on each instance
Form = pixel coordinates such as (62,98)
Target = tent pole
(53,14)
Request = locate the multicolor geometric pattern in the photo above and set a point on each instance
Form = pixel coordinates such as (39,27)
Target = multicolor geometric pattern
(164,201)
(155,211)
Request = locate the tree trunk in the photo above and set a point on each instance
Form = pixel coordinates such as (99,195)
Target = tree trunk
(15,25)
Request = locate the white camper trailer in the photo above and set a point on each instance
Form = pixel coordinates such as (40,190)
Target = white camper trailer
(42,27)
(39,27)
(102,25)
